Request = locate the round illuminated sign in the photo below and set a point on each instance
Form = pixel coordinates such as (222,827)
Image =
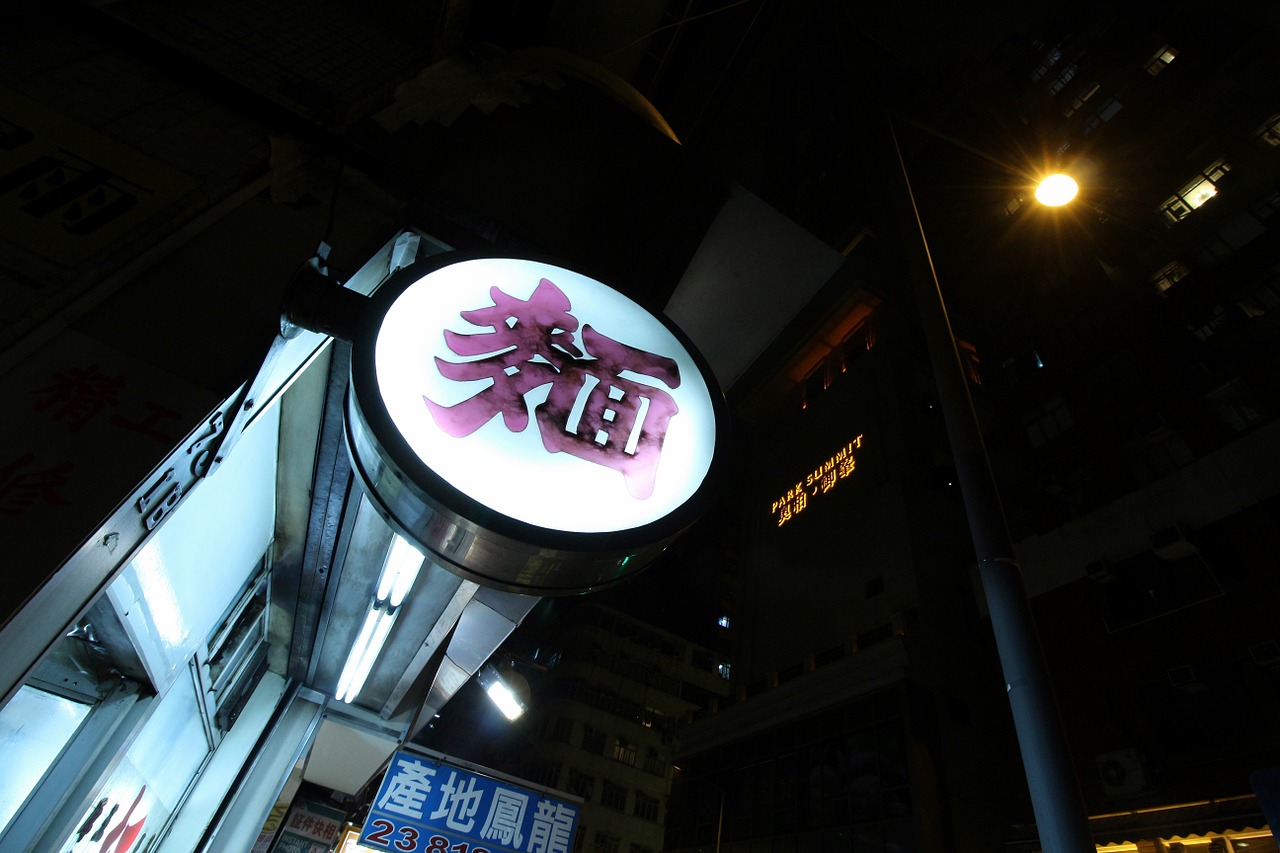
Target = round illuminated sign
(530,409)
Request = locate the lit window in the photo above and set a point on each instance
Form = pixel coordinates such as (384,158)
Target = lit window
(723,621)
(1169,276)
(1088,93)
(723,669)
(1161,60)
(1195,193)
(1269,133)
(624,751)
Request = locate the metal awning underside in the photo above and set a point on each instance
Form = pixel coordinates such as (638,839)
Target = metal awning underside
(330,554)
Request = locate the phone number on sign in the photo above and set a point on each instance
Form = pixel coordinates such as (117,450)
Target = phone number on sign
(408,839)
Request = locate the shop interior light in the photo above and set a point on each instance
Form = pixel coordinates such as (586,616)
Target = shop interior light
(399,570)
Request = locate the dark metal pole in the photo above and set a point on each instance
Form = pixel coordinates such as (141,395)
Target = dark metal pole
(720,821)
(1055,794)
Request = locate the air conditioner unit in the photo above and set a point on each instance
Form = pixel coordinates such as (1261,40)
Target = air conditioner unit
(1185,679)
(1099,571)
(1171,544)
(1122,772)
(1266,654)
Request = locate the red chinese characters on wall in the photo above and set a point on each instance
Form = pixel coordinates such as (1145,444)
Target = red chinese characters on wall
(75,399)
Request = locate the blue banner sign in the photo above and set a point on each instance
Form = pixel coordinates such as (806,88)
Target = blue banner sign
(427,805)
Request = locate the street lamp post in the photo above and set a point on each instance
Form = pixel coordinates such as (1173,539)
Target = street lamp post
(1055,794)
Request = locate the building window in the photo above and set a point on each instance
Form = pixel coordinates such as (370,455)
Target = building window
(1049,61)
(1064,77)
(1209,324)
(592,740)
(1267,207)
(723,669)
(1161,60)
(613,796)
(544,773)
(1079,100)
(1236,404)
(1264,298)
(646,807)
(723,621)
(653,715)
(606,843)
(1169,276)
(1195,193)
(561,729)
(580,784)
(624,751)
(1240,229)
(1106,111)
(1049,421)
(1269,133)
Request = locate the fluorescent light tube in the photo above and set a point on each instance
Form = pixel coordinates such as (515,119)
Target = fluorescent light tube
(399,570)
(356,653)
(381,628)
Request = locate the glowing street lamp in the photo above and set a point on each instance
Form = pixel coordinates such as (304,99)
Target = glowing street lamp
(1056,190)
(506,689)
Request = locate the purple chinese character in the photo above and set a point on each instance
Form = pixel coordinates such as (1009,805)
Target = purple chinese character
(596,414)
(591,411)
(530,342)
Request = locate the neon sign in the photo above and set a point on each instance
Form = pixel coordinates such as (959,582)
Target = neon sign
(821,480)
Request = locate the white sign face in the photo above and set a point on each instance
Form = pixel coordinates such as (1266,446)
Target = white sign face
(545,395)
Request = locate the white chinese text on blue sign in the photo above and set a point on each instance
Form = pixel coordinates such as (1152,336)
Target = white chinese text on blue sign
(425,805)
